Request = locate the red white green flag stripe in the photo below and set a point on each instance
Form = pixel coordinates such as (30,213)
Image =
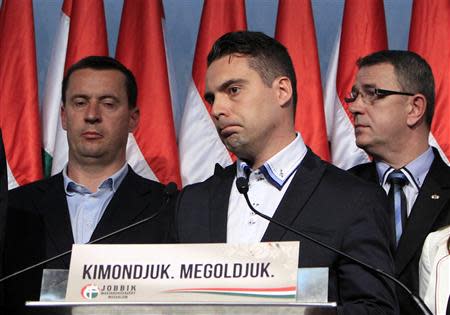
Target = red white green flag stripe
(19,109)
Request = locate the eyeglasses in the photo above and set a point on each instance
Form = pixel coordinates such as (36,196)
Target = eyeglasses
(370,95)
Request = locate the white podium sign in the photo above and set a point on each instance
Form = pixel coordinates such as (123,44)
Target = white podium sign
(183,272)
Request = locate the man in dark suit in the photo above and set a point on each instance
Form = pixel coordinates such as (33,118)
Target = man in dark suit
(392,101)
(251,86)
(97,192)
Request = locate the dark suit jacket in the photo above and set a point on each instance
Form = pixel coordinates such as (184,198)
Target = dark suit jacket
(427,215)
(324,202)
(39,227)
(3,194)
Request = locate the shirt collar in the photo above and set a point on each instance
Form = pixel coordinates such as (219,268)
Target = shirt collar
(416,170)
(280,167)
(113,182)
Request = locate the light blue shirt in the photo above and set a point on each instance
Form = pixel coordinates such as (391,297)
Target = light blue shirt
(415,171)
(85,207)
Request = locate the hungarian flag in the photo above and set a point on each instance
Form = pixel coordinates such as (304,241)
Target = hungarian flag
(363,32)
(19,107)
(152,150)
(429,36)
(199,144)
(295,30)
(81,33)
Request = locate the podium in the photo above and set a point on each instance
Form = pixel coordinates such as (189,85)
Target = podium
(91,308)
(312,287)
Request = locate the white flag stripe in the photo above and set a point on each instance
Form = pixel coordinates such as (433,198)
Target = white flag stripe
(136,159)
(197,134)
(11,180)
(173,87)
(52,91)
(61,152)
(341,134)
(432,141)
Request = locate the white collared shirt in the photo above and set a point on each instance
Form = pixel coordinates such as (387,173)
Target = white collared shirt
(244,226)
(415,171)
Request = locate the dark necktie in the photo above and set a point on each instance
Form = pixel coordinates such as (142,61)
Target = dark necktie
(397,201)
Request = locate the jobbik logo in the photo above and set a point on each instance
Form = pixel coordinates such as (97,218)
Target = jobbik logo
(89,291)
(121,291)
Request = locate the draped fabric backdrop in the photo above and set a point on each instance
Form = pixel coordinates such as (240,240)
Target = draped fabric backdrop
(165,43)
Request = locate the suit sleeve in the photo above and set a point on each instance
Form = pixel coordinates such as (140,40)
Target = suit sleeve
(367,238)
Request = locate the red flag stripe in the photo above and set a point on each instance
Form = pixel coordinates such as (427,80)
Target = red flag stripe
(363,32)
(87,34)
(19,115)
(218,17)
(295,29)
(141,48)
(430,37)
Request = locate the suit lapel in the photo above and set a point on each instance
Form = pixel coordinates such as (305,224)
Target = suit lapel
(434,195)
(55,214)
(303,185)
(368,172)
(219,200)
(127,203)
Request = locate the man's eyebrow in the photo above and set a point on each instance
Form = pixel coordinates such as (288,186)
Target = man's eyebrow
(79,96)
(115,98)
(362,87)
(368,86)
(209,96)
(102,97)
(227,83)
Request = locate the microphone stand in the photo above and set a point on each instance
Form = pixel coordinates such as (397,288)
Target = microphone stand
(170,189)
(242,186)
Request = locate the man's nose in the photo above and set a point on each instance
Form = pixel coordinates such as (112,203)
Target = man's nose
(220,106)
(92,113)
(357,106)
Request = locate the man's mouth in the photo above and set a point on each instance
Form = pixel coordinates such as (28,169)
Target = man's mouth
(91,135)
(228,130)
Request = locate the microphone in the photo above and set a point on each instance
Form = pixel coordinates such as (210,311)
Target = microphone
(168,192)
(242,187)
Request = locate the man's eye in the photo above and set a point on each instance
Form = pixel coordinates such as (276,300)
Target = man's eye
(108,104)
(234,90)
(370,92)
(79,103)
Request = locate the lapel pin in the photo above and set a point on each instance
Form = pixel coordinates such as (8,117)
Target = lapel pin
(435,196)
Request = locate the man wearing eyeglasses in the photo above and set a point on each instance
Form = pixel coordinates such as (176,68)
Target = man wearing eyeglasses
(392,102)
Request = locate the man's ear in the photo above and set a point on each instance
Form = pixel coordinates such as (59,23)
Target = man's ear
(283,87)
(134,119)
(63,117)
(416,109)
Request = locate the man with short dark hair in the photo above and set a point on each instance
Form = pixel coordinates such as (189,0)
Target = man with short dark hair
(96,193)
(250,84)
(392,102)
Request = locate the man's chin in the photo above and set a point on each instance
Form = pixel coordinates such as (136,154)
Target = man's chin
(362,143)
(233,145)
(92,154)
